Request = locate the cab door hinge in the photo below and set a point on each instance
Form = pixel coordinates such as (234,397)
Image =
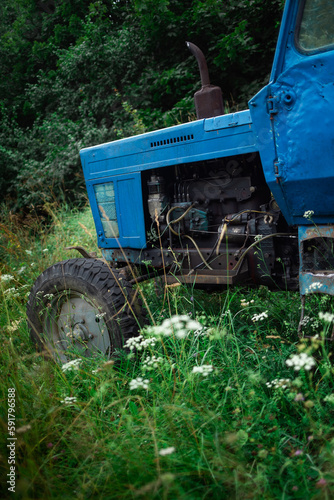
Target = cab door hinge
(272,103)
(278,166)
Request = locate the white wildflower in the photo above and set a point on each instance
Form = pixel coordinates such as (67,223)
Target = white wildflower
(12,293)
(308,214)
(28,252)
(305,321)
(152,362)
(260,316)
(244,303)
(279,383)
(176,319)
(72,365)
(69,400)
(180,326)
(329,399)
(327,317)
(300,361)
(167,451)
(226,314)
(99,316)
(203,370)
(45,250)
(6,278)
(14,326)
(139,343)
(22,269)
(138,383)
(48,296)
(193,325)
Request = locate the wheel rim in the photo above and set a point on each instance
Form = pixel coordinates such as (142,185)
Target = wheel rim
(74,325)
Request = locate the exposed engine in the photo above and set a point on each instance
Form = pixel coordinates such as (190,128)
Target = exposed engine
(219,216)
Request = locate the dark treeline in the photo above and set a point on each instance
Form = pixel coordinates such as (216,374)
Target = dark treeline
(81,72)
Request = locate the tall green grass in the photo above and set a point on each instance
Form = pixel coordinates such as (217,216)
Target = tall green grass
(149,425)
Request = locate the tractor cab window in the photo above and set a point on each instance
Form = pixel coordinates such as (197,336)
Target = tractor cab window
(315,27)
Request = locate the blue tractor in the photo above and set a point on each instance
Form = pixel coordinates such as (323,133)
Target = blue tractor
(242,198)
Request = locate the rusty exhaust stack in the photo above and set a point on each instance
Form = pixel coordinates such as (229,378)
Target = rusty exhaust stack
(208,100)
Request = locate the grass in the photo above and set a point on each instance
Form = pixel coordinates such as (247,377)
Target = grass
(250,426)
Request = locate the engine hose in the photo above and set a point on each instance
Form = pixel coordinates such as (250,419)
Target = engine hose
(199,252)
(169,223)
(240,261)
(180,218)
(227,221)
(221,236)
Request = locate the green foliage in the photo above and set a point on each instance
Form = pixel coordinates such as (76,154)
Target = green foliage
(70,67)
(209,408)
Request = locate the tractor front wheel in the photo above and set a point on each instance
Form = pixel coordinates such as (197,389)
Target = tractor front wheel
(80,307)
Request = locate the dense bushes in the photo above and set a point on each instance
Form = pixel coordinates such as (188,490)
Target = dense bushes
(77,71)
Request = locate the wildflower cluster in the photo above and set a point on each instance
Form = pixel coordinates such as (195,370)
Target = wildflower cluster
(152,362)
(69,400)
(180,326)
(260,316)
(305,321)
(244,303)
(203,370)
(308,214)
(14,326)
(72,365)
(5,278)
(329,399)
(11,293)
(140,343)
(279,383)
(100,315)
(138,383)
(327,317)
(300,361)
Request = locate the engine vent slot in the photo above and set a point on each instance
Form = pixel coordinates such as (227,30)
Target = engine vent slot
(172,140)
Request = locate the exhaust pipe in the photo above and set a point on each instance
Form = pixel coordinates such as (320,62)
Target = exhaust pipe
(208,100)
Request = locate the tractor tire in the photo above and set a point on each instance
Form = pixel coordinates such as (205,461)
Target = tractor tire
(81,307)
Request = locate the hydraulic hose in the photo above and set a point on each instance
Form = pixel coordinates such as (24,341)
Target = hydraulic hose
(169,223)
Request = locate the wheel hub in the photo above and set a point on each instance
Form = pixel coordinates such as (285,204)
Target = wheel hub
(80,326)
(80,332)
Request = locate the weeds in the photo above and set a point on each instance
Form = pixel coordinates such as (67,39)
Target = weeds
(217,399)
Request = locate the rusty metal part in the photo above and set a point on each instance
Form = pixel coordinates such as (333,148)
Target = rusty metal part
(208,100)
(207,277)
(83,252)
